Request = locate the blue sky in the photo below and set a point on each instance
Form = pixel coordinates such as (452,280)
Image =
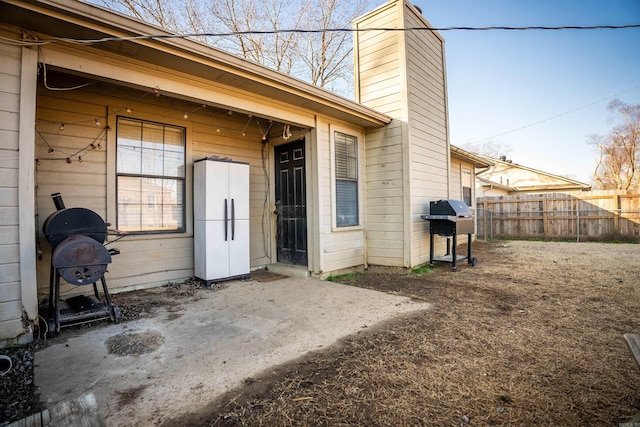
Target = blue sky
(499,81)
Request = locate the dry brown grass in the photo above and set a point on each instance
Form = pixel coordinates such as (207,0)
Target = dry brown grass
(532,336)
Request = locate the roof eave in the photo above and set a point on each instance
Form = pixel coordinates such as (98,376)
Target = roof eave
(460,154)
(112,24)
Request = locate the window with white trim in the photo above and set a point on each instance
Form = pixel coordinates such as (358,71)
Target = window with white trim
(150,176)
(466,187)
(346,175)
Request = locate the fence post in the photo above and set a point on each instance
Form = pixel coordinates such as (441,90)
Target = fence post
(617,211)
(491,225)
(578,219)
(484,223)
(545,216)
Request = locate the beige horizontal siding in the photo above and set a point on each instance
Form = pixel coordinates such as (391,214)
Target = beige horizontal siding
(8,139)
(10,310)
(456,180)
(10,291)
(144,260)
(345,253)
(340,248)
(428,128)
(8,233)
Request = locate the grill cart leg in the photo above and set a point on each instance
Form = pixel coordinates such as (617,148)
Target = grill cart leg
(453,252)
(470,260)
(56,329)
(431,265)
(51,295)
(95,290)
(113,312)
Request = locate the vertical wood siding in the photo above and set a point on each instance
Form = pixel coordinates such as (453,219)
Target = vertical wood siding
(10,294)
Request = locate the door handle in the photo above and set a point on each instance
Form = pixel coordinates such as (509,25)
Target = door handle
(233,219)
(226,220)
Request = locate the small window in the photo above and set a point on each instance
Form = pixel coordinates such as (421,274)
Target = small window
(466,187)
(346,173)
(150,172)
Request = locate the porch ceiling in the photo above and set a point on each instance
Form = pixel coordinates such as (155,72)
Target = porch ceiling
(79,21)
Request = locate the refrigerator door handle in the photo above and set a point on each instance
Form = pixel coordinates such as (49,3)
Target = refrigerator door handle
(226,220)
(233,219)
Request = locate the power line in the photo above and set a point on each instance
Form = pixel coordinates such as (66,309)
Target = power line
(326,30)
(553,117)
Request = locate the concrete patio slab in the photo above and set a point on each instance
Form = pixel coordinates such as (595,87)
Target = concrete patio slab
(212,346)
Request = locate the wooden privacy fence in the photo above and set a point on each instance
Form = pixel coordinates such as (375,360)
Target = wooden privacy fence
(581,216)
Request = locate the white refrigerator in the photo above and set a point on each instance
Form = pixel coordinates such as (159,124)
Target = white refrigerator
(221,219)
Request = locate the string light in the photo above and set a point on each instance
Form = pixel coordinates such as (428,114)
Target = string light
(263,128)
(266,132)
(79,155)
(186,113)
(244,131)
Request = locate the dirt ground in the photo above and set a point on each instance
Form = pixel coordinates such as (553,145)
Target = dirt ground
(530,336)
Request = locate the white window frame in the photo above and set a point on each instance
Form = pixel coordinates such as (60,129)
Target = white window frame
(112,176)
(360,181)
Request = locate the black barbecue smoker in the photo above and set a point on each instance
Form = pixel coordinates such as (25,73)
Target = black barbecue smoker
(450,218)
(79,257)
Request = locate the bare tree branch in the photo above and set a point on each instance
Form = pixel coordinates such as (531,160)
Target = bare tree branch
(619,151)
(323,59)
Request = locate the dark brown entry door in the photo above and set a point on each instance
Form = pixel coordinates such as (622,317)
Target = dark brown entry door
(291,209)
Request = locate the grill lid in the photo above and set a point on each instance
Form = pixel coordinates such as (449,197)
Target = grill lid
(71,221)
(456,208)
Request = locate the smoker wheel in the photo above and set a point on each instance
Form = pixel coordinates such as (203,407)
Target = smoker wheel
(54,328)
(117,314)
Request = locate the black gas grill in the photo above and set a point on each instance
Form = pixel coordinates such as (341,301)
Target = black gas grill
(450,218)
(80,258)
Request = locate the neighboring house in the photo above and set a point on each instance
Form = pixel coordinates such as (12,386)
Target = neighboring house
(94,108)
(463,174)
(504,177)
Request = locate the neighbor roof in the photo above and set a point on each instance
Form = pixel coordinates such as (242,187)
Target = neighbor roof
(564,184)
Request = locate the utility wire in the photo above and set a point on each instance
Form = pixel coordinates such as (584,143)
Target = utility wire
(553,117)
(325,30)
